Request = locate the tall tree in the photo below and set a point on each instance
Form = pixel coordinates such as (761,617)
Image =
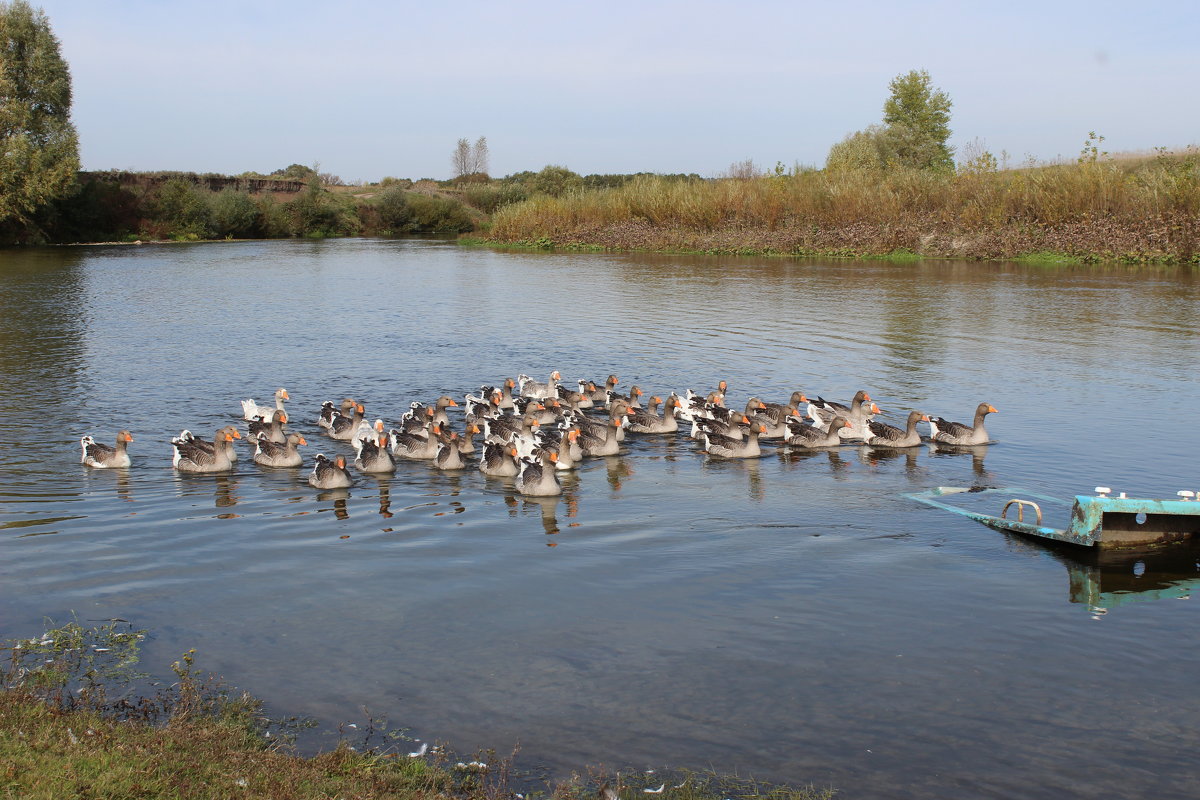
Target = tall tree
(461,159)
(39,149)
(917,117)
(480,156)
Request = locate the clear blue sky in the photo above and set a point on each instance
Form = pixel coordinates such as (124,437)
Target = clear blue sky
(374,88)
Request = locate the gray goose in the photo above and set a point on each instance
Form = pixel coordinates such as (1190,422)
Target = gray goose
(416,446)
(881,434)
(857,414)
(273,454)
(539,391)
(499,460)
(537,478)
(343,428)
(252,410)
(197,455)
(328,474)
(727,447)
(373,454)
(778,412)
(221,442)
(957,433)
(649,421)
(272,429)
(600,439)
(329,413)
(449,456)
(601,395)
(804,435)
(102,456)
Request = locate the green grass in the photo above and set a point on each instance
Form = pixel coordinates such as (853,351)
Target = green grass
(69,728)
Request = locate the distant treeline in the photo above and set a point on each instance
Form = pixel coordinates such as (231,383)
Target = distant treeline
(293,202)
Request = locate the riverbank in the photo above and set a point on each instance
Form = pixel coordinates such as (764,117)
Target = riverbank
(1132,211)
(70,727)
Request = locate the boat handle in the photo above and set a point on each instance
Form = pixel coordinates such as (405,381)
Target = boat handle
(1021,510)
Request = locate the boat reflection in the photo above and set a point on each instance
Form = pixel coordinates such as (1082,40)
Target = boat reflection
(1103,578)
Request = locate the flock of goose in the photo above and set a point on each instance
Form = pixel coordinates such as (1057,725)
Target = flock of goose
(530,430)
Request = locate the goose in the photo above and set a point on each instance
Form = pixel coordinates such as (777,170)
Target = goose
(483,406)
(328,474)
(226,443)
(773,429)
(587,393)
(197,455)
(251,409)
(536,480)
(448,455)
(102,456)
(600,439)
(415,446)
(778,412)
(574,399)
(565,447)
(805,435)
(695,405)
(366,430)
(373,453)
(502,429)
(329,413)
(499,460)
(531,388)
(273,429)
(727,447)
(466,444)
(883,435)
(633,399)
(600,395)
(439,409)
(506,396)
(823,411)
(731,426)
(957,433)
(648,420)
(343,428)
(273,454)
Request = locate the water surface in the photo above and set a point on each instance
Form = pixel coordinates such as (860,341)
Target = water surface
(793,618)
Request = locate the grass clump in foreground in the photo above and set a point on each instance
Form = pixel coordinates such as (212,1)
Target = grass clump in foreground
(73,724)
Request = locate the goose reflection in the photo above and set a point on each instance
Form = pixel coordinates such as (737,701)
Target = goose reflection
(875,456)
(977,452)
(547,508)
(794,458)
(224,491)
(338,498)
(618,469)
(385,495)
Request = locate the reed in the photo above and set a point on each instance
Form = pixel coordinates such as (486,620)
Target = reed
(1127,209)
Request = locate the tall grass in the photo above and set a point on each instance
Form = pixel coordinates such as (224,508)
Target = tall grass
(1091,206)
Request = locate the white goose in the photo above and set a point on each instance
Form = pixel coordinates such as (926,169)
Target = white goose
(251,409)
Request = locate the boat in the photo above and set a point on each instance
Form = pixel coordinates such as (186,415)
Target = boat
(1102,520)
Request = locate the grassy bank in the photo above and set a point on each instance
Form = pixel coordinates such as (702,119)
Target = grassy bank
(1134,210)
(71,725)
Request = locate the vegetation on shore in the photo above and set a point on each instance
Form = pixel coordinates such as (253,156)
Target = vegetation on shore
(1097,208)
(73,725)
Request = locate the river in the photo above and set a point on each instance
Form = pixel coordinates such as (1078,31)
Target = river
(794,618)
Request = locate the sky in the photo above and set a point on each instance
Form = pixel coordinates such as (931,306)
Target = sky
(367,89)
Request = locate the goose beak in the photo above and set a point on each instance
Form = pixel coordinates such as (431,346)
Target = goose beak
(303,440)
(283,393)
(554,456)
(129,437)
(359,408)
(992,410)
(453,403)
(846,424)
(745,419)
(283,418)
(341,462)
(237,435)
(513,452)
(875,409)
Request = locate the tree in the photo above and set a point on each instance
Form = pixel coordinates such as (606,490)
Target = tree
(917,117)
(480,156)
(461,159)
(39,149)
(916,126)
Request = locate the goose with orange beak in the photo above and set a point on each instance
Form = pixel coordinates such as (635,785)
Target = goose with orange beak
(881,434)
(537,477)
(327,474)
(101,456)
(957,433)
(197,455)
(273,454)
(251,409)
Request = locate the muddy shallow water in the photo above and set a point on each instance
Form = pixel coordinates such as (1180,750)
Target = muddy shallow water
(793,617)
